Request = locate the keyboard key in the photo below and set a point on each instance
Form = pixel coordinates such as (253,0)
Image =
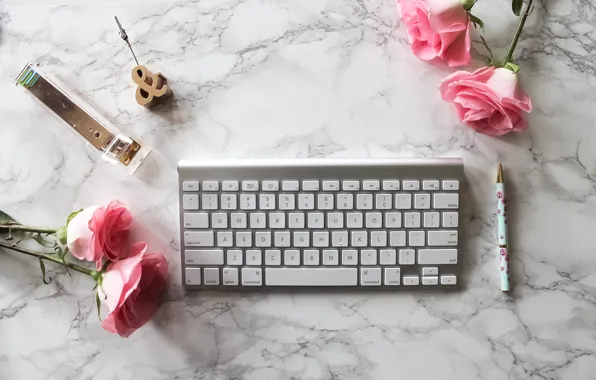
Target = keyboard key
(190,201)
(277,220)
(310,257)
(224,239)
(229,186)
(446,200)
(440,238)
(397,238)
(448,280)
(339,238)
(422,201)
(198,238)
(345,201)
(210,186)
(250,185)
(351,185)
(371,185)
(383,202)
(368,257)
(320,239)
(306,201)
(403,201)
(203,256)
(263,239)
(296,220)
(370,276)
(229,202)
(411,185)
(378,239)
(335,220)
(281,238)
(330,257)
(349,257)
(196,220)
(273,257)
(430,271)
(230,276)
(387,257)
(209,201)
(450,219)
(411,280)
(190,186)
(364,201)
(391,185)
(330,185)
(392,276)
(266,201)
(287,201)
(354,220)
(234,257)
(310,185)
(290,186)
(359,238)
(374,220)
(248,201)
(393,220)
(193,276)
(316,220)
(219,220)
(257,220)
(291,257)
(211,276)
(431,219)
(311,276)
(253,257)
(407,257)
(416,238)
(325,202)
(301,239)
(437,256)
(238,220)
(252,277)
(450,185)
(412,220)
(430,184)
(244,239)
(270,185)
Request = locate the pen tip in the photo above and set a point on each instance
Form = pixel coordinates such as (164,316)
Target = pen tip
(500,176)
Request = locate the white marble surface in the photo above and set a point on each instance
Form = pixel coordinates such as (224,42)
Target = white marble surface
(308,78)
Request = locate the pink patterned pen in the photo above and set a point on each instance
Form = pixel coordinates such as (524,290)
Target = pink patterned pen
(502,250)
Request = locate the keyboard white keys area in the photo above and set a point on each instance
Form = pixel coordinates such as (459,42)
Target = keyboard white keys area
(367,223)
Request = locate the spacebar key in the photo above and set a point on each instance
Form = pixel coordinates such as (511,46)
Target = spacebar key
(311,276)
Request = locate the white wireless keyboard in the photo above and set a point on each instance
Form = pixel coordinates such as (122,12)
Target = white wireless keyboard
(370,223)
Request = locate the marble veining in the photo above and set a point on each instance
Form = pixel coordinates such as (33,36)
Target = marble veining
(305,78)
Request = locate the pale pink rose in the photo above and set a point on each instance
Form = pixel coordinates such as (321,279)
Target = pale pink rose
(488,100)
(131,288)
(437,29)
(99,233)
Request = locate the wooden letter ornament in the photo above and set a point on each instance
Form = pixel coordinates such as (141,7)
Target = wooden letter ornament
(151,87)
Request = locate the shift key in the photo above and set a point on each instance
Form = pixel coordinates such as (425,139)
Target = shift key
(198,238)
(437,256)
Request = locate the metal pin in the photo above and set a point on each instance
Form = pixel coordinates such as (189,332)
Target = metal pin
(124,36)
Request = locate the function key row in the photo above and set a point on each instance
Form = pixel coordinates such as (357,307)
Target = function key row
(316,185)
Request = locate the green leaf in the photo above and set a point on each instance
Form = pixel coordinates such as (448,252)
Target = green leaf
(43,242)
(468,4)
(511,66)
(42,266)
(72,215)
(98,304)
(516,5)
(61,235)
(478,23)
(7,220)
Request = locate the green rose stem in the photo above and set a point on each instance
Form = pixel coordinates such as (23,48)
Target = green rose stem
(520,26)
(44,256)
(21,228)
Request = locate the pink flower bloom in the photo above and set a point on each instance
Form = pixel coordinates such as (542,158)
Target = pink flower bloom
(437,29)
(500,194)
(487,100)
(131,288)
(100,232)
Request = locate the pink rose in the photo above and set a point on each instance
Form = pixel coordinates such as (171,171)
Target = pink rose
(100,232)
(488,100)
(131,288)
(437,29)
